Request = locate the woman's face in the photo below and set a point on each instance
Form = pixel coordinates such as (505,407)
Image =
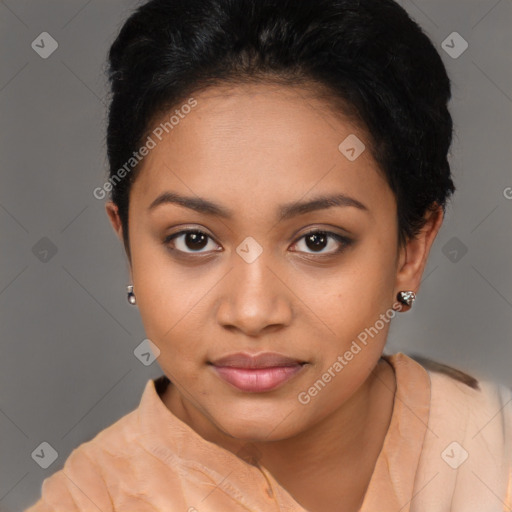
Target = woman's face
(253,281)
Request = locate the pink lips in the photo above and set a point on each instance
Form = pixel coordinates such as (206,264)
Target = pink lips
(256,373)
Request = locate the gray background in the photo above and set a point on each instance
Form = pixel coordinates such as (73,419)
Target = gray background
(68,335)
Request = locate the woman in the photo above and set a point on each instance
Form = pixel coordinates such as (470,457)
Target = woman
(278,175)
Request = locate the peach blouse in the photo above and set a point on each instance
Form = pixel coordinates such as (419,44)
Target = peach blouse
(448,449)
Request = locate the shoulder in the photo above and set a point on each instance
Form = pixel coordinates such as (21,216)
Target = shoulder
(77,487)
(467,451)
(82,485)
(467,400)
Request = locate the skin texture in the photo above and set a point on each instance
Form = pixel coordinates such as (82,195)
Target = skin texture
(251,148)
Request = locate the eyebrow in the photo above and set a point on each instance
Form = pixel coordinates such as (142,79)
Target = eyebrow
(285,211)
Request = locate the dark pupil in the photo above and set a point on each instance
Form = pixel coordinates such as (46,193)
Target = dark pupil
(196,240)
(318,241)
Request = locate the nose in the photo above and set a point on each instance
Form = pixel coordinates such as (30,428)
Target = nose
(255,298)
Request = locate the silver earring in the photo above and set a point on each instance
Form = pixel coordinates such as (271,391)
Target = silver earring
(131,296)
(406,297)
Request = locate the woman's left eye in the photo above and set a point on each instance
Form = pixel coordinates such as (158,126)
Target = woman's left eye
(316,240)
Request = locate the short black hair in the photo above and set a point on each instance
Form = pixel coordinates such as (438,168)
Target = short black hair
(366,56)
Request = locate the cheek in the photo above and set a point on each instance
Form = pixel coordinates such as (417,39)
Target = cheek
(168,297)
(360,289)
(350,305)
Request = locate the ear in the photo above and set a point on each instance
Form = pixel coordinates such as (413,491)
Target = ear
(413,257)
(115,219)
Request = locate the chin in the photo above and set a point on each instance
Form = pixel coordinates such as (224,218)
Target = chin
(256,428)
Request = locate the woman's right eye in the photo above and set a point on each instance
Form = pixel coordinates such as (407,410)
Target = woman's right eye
(192,239)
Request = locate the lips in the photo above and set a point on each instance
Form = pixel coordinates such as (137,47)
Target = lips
(256,373)
(262,360)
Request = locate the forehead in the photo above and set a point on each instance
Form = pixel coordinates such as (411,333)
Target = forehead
(259,141)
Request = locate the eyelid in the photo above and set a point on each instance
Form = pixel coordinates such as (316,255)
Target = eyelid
(188,229)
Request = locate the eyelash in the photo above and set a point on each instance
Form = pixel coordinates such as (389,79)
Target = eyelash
(344,241)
